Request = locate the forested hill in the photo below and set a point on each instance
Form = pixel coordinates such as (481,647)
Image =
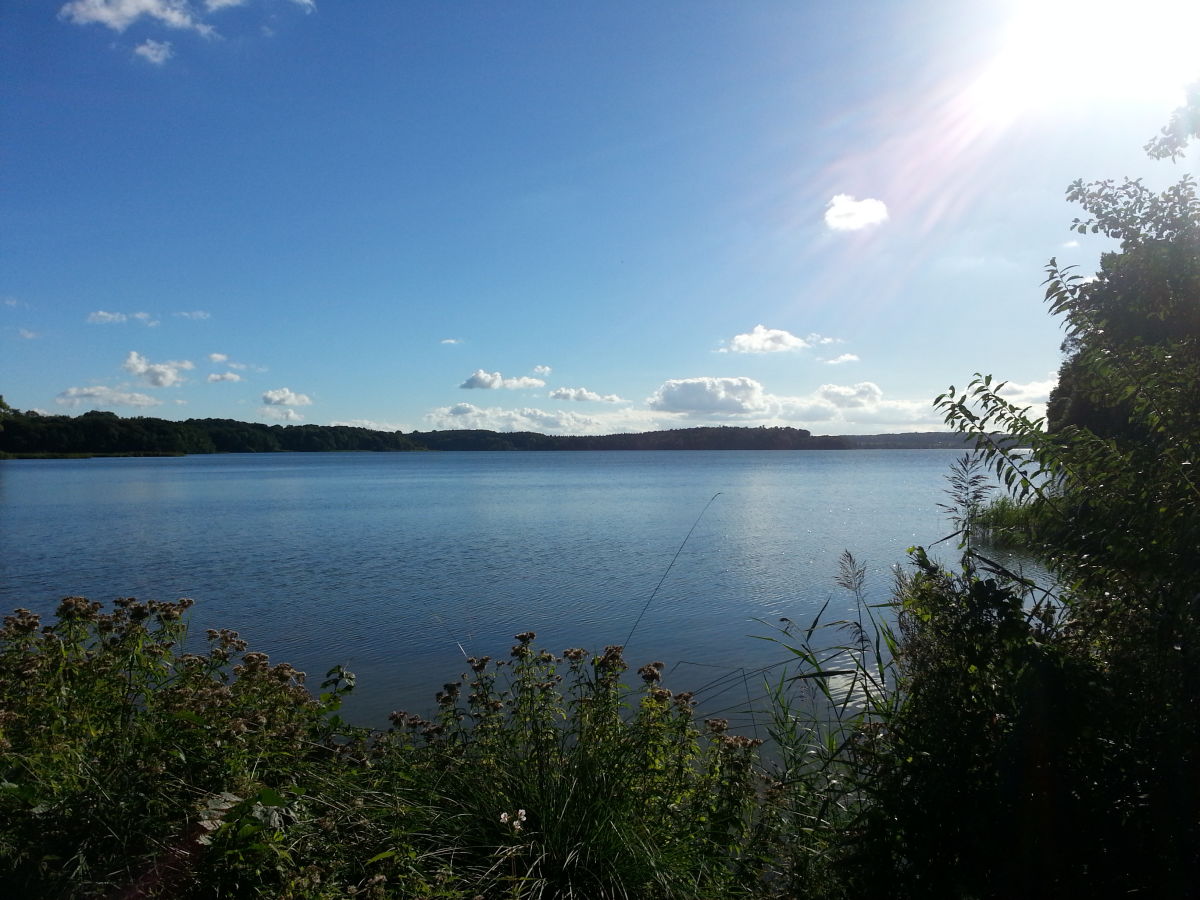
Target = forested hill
(722,438)
(105,433)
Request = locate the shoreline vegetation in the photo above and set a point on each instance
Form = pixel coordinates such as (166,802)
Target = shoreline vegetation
(30,435)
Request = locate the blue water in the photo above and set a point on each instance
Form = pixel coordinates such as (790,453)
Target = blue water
(397,564)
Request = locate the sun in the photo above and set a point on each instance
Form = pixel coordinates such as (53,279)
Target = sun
(1088,52)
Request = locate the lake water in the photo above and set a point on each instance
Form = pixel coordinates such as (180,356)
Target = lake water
(397,564)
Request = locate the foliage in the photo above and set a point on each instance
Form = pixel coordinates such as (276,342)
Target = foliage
(107,433)
(128,765)
(117,748)
(1106,668)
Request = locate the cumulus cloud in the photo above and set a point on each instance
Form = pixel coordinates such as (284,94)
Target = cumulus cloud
(838,360)
(865,393)
(282,413)
(156,52)
(26,334)
(467,415)
(120,14)
(218,357)
(494,381)
(164,374)
(835,407)
(765,340)
(195,315)
(726,396)
(285,397)
(1030,391)
(844,213)
(582,394)
(542,370)
(103,396)
(224,376)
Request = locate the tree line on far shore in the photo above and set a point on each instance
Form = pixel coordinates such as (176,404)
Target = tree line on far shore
(100,433)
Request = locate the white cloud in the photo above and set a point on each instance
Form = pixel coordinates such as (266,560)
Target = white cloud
(164,374)
(224,376)
(582,394)
(837,408)
(838,360)
(1029,392)
(217,357)
(542,370)
(26,334)
(285,397)
(451,340)
(214,5)
(865,393)
(103,396)
(120,14)
(494,381)
(156,52)
(101,317)
(766,340)
(372,425)
(467,415)
(1070,245)
(724,396)
(283,413)
(844,213)
(1032,395)
(195,315)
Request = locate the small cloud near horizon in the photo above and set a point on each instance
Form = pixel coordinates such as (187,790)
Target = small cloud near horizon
(99,395)
(482,380)
(285,397)
(582,394)
(164,374)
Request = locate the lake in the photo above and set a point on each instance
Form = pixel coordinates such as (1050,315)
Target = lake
(398,565)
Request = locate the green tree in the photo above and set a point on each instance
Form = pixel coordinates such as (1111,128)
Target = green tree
(1064,725)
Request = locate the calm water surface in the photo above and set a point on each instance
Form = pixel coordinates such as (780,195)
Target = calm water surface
(398,564)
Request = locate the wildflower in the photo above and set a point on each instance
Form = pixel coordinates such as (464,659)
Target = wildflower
(515,821)
(574,654)
(651,672)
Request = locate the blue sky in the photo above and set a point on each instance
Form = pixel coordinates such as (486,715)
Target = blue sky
(581,217)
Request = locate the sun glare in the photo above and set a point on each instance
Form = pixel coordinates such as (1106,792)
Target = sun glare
(1089,52)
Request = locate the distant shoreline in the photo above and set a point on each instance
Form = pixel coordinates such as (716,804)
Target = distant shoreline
(29,435)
